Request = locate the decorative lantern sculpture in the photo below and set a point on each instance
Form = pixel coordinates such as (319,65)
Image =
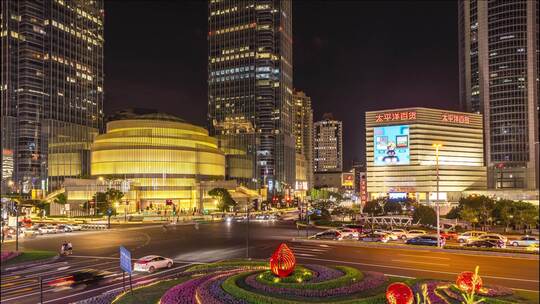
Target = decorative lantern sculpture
(468,280)
(399,293)
(282,261)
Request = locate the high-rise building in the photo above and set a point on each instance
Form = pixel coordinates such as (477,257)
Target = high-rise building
(498,55)
(250,83)
(328,145)
(52,90)
(303,131)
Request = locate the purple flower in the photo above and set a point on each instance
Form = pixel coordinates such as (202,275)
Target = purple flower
(323,273)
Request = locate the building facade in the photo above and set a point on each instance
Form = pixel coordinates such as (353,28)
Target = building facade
(498,55)
(52,90)
(303,132)
(250,83)
(401,158)
(159,157)
(328,145)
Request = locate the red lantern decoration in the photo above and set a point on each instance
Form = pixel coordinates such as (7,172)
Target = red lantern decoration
(466,281)
(399,293)
(282,261)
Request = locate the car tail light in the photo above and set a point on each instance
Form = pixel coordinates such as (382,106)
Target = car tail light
(62,281)
(142,262)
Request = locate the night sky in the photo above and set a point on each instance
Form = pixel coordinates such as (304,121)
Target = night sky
(349,56)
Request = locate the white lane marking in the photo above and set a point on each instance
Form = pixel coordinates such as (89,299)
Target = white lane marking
(525,290)
(424,256)
(92,290)
(323,245)
(63,268)
(305,254)
(398,276)
(309,248)
(418,262)
(416,269)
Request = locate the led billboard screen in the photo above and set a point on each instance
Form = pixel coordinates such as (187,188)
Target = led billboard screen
(391,145)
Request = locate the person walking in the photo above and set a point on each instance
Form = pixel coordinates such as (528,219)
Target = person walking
(69,248)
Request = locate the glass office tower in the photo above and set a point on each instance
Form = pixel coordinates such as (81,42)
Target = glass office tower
(52,90)
(250,80)
(498,54)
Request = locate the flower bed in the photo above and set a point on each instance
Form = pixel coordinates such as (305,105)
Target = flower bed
(440,292)
(369,280)
(6,255)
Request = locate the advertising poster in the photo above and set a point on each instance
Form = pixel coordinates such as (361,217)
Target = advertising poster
(391,145)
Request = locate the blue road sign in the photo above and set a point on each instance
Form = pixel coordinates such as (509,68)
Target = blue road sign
(125,259)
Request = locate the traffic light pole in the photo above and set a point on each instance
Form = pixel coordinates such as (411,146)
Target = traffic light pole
(17,228)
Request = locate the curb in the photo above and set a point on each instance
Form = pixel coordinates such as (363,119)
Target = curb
(25,265)
(528,256)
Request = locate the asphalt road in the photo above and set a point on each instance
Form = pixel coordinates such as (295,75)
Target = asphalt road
(211,242)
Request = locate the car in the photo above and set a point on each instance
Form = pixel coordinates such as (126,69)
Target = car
(374,237)
(533,248)
(501,240)
(398,232)
(449,234)
(63,228)
(348,233)
(412,234)
(328,235)
(74,227)
(524,241)
(462,238)
(482,244)
(358,228)
(81,277)
(426,240)
(151,263)
(47,229)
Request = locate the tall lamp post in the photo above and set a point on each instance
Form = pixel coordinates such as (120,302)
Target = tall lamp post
(437,147)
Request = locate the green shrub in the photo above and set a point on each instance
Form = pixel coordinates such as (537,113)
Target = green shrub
(229,263)
(350,275)
(300,274)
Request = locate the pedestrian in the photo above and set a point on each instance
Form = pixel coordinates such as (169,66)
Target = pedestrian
(63,249)
(69,247)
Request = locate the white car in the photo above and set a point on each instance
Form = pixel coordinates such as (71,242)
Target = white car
(396,234)
(524,242)
(412,234)
(464,237)
(348,233)
(151,263)
(47,229)
(74,227)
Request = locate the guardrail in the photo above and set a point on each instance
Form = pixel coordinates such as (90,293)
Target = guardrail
(94,226)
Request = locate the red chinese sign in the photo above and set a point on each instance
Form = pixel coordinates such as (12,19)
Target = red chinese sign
(396,116)
(456,118)
(363,189)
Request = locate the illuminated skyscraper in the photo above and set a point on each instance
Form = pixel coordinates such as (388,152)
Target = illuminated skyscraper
(52,89)
(498,55)
(303,131)
(328,145)
(250,79)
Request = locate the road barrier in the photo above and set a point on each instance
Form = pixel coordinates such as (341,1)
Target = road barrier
(94,226)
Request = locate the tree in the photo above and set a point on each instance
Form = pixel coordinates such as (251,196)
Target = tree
(453,213)
(61,199)
(393,207)
(482,204)
(100,199)
(469,214)
(504,212)
(225,200)
(526,214)
(425,215)
(114,195)
(375,207)
(342,212)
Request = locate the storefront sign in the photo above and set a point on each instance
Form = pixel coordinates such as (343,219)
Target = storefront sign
(455,118)
(396,116)
(363,189)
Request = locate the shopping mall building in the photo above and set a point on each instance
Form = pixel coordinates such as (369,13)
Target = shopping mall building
(401,156)
(158,161)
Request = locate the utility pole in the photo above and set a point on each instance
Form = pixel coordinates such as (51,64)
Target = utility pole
(16,227)
(437,147)
(247,231)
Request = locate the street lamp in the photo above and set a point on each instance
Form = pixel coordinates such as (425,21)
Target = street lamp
(437,147)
